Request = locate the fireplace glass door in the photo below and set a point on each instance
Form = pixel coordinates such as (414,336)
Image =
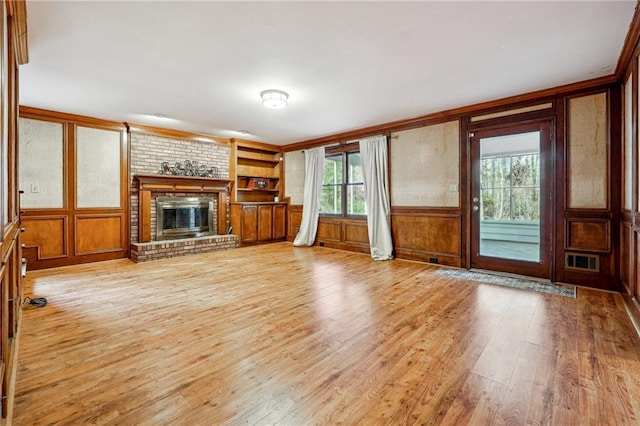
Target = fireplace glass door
(184,217)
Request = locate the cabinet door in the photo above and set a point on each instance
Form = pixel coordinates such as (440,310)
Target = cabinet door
(249,224)
(279,221)
(265,220)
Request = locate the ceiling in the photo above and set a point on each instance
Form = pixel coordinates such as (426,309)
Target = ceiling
(346,65)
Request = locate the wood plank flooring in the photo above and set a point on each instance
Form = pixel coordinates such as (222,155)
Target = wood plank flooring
(280,335)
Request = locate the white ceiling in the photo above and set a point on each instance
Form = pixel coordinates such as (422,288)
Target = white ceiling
(346,65)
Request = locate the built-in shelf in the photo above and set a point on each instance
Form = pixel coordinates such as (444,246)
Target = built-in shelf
(258,189)
(257,169)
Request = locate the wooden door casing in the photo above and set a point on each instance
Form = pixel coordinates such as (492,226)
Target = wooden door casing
(537,269)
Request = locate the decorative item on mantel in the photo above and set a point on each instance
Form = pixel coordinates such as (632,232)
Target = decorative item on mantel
(188,168)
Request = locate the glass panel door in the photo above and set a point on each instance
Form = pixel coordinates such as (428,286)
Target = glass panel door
(509,215)
(510,197)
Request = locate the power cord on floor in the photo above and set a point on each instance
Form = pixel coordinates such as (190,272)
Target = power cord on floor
(36,301)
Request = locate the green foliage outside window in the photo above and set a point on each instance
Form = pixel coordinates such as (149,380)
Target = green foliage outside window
(336,185)
(511,187)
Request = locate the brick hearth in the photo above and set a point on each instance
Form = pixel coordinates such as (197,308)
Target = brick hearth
(155,250)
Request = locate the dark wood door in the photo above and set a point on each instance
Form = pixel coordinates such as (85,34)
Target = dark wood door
(511,199)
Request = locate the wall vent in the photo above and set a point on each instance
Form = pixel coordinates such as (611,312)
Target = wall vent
(582,262)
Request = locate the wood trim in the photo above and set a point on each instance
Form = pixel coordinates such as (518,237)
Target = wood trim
(79,217)
(426,211)
(451,114)
(605,246)
(144,216)
(629,46)
(169,183)
(66,242)
(17,9)
(257,145)
(163,183)
(174,134)
(81,120)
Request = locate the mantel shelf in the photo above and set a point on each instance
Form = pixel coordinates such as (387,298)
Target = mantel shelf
(170,183)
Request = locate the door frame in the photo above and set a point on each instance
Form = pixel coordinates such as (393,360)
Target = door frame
(544,268)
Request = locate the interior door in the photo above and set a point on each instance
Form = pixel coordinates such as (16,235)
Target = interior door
(511,199)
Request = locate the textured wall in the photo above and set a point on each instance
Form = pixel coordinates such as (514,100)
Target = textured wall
(98,167)
(294,176)
(588,159)
(41,146)
(425,166)
(148,152)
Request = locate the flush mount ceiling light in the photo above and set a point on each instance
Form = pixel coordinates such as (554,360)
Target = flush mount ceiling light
(274,99)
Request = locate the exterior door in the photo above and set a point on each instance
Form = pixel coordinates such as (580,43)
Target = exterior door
(511,199)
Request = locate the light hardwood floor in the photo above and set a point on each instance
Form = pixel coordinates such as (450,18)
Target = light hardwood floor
(298,336)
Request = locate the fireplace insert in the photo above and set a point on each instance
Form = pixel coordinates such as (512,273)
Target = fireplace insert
(184,217)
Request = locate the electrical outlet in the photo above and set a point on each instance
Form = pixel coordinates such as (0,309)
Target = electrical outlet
(34,188)
(433,260)
(453,187)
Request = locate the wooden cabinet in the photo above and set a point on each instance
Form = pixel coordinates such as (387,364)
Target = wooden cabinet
(258,223)
(257,170)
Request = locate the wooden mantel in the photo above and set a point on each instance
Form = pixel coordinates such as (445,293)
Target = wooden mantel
(167,183)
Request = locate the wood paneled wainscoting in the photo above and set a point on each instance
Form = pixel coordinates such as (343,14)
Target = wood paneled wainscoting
(74,171)
(419,233)
(428,234)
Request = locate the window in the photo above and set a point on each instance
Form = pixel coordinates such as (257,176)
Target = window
(343,193)
(511,187)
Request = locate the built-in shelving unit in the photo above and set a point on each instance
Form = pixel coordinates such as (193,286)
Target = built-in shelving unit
(257,170)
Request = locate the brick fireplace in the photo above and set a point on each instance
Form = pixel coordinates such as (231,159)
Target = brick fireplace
(148,152)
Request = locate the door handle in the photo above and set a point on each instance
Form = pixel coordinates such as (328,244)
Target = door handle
(475,199)
(475,208)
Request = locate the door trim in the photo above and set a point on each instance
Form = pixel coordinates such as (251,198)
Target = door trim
(544,268)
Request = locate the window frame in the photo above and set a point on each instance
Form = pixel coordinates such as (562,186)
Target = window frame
(343,151)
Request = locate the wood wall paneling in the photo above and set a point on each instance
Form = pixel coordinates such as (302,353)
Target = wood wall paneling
(424,234)
(98,233)
(329,229)
(45,237)
(294,221)
(13,51)
(81,138)
(356,233)
(427,233)
(588,235)
(627,243)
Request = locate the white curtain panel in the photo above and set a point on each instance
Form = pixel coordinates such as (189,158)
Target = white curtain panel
(313,171)
(376,192)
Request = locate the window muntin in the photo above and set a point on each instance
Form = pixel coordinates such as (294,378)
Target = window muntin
(343,185)
(511,187)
